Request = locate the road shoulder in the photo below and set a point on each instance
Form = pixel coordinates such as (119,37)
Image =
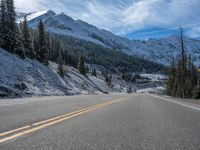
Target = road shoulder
(193,104)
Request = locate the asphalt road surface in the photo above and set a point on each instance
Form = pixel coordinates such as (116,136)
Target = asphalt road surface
(104,122)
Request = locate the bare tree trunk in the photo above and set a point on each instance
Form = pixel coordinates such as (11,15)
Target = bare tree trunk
(183,77)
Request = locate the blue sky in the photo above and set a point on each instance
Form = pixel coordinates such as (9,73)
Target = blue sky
(134,19)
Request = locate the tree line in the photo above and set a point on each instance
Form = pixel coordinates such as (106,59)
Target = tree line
(183,75)
(114,61)
(37,44)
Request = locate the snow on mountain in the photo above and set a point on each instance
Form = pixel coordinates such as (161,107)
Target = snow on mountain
(30,16)
(26,77)
(160,51)
(163,50)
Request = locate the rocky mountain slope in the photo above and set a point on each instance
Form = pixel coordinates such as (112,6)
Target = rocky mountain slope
(160,51)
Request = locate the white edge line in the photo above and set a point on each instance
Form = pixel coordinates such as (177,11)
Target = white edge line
(176,102)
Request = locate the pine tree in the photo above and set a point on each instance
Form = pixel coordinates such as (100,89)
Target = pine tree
(60,66)
(183,79)
(42,49)
(18,46)
(2,22)
(81,65)
(11,38)
(171,78)
(196,92)
(27,41)
(177,90)
(35,45)
(66,57)
(108,79)
(49,47)
(94,72)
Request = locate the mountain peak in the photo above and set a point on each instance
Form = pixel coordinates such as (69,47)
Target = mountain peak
(34,15)
(51,12)
(63,15)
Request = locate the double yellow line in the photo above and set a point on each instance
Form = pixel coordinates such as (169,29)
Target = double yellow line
(13,134)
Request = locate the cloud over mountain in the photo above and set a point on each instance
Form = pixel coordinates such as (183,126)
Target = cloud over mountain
(127,17)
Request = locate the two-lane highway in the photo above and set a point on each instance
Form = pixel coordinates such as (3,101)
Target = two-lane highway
(129,122)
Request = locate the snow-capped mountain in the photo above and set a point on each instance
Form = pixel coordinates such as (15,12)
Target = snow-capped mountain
(160,51)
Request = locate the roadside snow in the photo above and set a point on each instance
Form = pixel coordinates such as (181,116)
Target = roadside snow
(152,90)
(154,77)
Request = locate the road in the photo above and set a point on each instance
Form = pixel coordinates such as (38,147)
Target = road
(103,122)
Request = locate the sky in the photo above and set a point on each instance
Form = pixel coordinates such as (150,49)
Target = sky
(134,19)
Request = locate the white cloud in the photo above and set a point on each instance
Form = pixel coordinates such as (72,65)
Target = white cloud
(125,16)
(28,5)
(161,13)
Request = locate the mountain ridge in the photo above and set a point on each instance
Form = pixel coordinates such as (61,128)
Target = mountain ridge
(157,50)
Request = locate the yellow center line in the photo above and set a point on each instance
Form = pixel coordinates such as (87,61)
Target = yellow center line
(13,131)
(71,113)
(46,123)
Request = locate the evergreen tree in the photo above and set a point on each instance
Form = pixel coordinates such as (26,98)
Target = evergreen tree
(18,46)
(54,48)
(2,22)
(11,38)
(81,65)
(60,66)
(196,92)
(172,77)
(48,37)
(35,45)
(94,72)
(108,79)
(183,78)
(42,49)
(28,45)
(66,57)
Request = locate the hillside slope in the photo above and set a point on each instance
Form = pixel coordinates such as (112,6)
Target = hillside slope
(26,77)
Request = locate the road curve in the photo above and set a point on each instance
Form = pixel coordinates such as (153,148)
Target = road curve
(119,122)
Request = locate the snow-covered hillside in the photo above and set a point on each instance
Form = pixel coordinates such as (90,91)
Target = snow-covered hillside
(27,77)
(160,51)
(20,78)
(31,78)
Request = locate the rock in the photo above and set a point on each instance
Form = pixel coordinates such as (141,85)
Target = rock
(20,86)
(3,94)
(7,92)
